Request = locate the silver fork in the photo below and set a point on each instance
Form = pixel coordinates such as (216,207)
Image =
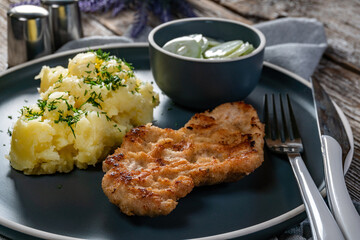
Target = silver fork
(282,137)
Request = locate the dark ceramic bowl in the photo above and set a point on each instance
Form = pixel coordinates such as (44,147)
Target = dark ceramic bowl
(203,83)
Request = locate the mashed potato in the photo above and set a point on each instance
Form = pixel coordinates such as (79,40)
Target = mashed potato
(84,112)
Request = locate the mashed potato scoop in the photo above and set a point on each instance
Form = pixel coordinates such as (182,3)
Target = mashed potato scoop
(83,113)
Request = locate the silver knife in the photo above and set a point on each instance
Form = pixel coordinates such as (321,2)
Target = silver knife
(335,147)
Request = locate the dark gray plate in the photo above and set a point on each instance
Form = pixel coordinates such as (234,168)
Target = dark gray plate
(73,205)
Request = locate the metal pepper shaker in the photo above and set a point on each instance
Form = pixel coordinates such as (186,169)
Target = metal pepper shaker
(28,34)
(65,20)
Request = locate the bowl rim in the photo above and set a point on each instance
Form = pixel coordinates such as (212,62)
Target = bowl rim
(193,19)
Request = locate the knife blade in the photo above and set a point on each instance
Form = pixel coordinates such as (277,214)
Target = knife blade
(335,147)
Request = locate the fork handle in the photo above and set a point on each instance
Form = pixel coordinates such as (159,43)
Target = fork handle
(323,225)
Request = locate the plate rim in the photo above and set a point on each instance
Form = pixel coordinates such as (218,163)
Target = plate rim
(233,234)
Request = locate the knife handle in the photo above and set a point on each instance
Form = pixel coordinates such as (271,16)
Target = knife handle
(339,200)
(322,222)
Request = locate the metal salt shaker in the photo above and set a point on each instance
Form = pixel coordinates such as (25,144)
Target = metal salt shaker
(65,20)
(28,34)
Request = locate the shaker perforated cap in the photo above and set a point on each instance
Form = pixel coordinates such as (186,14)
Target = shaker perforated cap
(28,12)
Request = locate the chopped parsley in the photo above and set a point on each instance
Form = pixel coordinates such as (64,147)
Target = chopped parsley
(111,82)
(101,78)
(70,120)
(103,55)
(60,79)
(94,99)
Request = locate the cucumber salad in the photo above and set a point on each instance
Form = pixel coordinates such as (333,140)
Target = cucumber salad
(198,46)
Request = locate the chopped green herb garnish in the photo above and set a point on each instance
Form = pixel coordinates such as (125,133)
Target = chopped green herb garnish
(70,120)
(93,99)
(102,55)
(60,79)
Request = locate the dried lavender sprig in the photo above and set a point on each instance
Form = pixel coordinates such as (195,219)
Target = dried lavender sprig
(161,9)
(184,8)
(93,5)
(156,7)
(140,18)
(27,2)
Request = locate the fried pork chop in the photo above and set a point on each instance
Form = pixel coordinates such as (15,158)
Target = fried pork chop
(154,167)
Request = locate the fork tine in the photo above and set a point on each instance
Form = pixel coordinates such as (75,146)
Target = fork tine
(281,136)
(294,127)
(284,122)
(277,128)
(267,117)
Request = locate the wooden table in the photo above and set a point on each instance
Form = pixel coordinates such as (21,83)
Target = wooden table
(338,71)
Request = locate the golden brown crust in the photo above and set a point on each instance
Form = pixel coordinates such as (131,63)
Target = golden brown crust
(155,167)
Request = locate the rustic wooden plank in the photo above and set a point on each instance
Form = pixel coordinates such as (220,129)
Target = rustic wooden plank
(92,27)
(206,8)
(116,24)
(3,35)
(340,18)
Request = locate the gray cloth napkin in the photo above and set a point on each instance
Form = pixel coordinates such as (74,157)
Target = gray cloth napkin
(303,230)
(296,44)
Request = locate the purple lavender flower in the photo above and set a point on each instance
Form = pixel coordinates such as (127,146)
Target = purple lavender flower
(119,5)
(93,5)
(140,18)
(27,2)
(104,5)
(183,8)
